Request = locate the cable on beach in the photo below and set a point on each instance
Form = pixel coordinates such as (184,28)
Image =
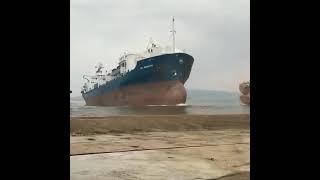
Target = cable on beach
(150,149)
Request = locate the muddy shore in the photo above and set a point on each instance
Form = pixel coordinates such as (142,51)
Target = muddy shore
(130,124)
(160,147)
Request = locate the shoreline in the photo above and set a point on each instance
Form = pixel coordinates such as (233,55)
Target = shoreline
(150,115)
(80,126)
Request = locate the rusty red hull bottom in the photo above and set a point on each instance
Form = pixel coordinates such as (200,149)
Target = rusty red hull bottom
(159,93)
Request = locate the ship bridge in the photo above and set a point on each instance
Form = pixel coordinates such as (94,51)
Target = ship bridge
(128,62)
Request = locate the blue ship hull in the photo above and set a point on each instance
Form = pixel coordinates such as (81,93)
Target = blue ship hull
(155,80)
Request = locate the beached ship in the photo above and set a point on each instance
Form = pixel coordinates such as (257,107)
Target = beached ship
(245,92)
(153,77)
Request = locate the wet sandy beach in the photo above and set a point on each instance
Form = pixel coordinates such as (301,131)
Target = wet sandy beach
(160,147)
(152,123)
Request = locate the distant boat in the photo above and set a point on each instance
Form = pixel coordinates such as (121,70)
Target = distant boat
(245,90)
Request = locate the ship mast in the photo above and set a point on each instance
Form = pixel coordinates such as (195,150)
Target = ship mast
(173,38)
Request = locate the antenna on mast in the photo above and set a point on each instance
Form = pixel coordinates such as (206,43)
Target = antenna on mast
(173,38)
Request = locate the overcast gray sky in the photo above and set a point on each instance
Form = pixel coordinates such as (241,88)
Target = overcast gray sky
(215,32)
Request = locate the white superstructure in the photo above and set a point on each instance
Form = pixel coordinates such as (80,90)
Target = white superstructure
(127,62)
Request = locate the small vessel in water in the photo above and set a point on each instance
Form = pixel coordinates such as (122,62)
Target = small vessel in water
(153,77)
(245,92)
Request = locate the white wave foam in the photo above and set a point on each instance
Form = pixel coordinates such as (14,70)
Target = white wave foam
(182,104)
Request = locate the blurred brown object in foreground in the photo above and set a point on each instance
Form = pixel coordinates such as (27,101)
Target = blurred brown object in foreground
(245,90)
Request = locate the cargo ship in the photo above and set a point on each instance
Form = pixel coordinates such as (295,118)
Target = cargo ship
(153,77)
